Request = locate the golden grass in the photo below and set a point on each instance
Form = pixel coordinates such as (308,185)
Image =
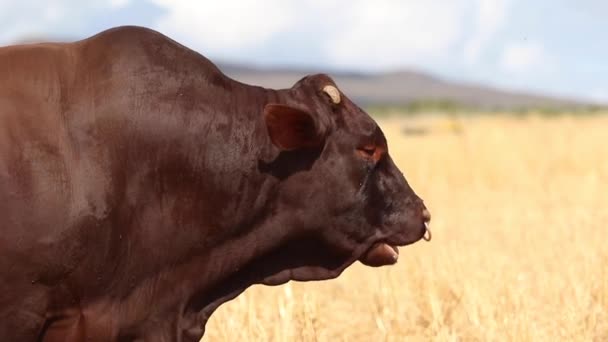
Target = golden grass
(520,248)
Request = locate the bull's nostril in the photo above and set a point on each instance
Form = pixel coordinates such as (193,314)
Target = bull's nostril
(426,215)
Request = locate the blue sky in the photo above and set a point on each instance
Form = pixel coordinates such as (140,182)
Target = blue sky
(547,46)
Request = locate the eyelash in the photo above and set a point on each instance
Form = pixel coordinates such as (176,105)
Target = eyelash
(369,151)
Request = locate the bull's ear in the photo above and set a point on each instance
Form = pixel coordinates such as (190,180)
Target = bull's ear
(291,128)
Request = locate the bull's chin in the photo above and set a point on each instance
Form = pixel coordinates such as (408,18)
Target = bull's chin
(380,254)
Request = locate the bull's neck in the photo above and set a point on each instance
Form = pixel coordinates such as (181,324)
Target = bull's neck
(225,271)
(245,222)
(231,196)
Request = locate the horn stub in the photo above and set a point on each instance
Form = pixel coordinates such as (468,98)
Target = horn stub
(333,93)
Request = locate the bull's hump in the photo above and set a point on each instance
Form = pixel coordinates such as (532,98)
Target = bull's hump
(121,31)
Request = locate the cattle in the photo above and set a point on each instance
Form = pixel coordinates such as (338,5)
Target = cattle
(141,188)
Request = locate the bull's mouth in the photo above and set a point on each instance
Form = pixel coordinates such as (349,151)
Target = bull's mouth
(386,252)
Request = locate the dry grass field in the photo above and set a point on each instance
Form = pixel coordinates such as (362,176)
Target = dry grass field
(520,248)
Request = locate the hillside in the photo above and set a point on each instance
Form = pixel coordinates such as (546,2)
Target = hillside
(403,88)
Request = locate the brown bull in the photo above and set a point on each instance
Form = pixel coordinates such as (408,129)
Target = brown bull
(140,188)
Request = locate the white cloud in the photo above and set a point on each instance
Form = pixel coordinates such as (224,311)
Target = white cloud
(491,17)
(392,33)
(16,25)
(25,19)
(367,34)
(54,12)
(225,24)
(525,56)
(119,3)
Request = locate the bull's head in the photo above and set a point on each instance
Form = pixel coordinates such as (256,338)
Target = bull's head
(351,202)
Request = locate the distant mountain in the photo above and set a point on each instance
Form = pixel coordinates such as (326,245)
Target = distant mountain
(403,88)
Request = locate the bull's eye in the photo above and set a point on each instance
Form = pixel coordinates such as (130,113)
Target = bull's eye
(367,152)
(371,153)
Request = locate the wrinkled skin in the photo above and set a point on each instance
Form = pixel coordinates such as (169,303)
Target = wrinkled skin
(140,188)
